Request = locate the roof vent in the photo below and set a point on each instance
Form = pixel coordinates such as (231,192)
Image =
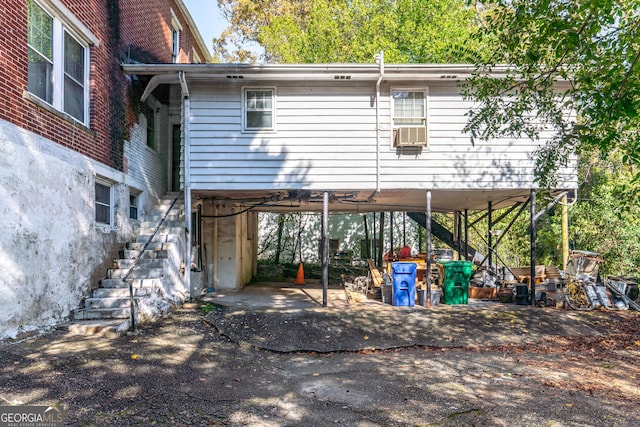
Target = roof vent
(341,77)
(235,76)
(448,76)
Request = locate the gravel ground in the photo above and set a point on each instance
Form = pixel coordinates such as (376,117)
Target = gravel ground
(318,367)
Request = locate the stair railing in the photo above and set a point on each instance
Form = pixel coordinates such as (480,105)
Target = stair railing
(132,302)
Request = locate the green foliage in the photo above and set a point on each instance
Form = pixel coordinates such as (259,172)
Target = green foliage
(329,31)
(568,60)
(604,221)
(208,308)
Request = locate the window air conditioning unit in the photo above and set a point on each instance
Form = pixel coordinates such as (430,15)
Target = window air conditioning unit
(410,136)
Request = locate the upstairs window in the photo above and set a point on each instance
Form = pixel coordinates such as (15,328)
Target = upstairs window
(58,71)
(409,108)
(259,109)
(176,27)
(175,44)
(409,118)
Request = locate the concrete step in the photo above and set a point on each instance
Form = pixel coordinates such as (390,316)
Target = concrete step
(96,303)
(101,313)
(136,283)
(138,273)
(165,229)
(142,263)
(148,254)
(158,238)
(152,224)
(156,216)
(152,246)
(120,292)
(108,328)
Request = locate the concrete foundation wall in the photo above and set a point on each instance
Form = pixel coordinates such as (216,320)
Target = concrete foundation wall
(51,250)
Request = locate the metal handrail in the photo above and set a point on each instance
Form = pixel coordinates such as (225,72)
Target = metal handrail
(132,303)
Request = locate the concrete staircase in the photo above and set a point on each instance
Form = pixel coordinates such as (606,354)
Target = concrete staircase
(157,274)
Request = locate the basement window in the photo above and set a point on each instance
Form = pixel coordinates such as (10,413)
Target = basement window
(133,206)
(104,206)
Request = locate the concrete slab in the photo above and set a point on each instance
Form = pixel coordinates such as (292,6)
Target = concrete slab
(282,295)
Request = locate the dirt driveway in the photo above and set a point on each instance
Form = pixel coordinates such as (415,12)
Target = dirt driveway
(241,366)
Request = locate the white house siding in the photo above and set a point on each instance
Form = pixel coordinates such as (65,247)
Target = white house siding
(51,251)
(146,165)
(450,161)
(325,139)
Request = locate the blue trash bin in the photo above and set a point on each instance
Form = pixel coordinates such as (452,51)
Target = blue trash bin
(404,283)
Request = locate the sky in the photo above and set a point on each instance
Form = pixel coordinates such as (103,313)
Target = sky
(207,17)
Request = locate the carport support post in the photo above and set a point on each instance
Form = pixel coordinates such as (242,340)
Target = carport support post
(532,244)
(427,229)
(459,234)
(391,242)
(466,235)
(325,247)
(489,235)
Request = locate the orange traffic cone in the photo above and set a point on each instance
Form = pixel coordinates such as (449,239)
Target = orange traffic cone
(300,275)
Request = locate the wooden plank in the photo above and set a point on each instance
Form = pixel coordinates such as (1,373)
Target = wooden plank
(376,277)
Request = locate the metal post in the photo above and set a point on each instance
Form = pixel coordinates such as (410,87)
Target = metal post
(532,243)
(466,235)
(404,229)
(381,239)
(325,247)
(565,233)
(459,234)
(490,236)
(427,292)
(391,242)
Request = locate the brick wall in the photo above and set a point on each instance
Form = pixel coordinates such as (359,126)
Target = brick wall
(94,141)
(140,29)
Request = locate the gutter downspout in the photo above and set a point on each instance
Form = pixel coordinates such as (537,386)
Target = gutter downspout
(380,57)
(186,129)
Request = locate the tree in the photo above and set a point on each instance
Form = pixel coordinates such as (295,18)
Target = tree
(593,46)
(324,31)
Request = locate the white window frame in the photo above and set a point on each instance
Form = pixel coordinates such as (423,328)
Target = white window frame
(393,125)
(110,185)
(176,28)
(135,205)
(245,110)
(63,22)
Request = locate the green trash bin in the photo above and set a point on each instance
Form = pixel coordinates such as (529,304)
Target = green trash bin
(454,278)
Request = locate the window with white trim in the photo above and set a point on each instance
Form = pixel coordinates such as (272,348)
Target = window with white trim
(104,203)
(133,206)
(409,108)
(259,109)
(409,116)
(58,71)
(176,27)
